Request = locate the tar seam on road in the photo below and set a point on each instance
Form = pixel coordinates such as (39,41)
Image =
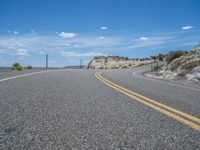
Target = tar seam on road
(190,88)
(178,115)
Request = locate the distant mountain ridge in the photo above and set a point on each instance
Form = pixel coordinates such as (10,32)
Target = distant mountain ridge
(73,67)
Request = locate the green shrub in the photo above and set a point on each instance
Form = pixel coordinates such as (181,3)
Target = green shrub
(173,55)
(92,67)
(124,67)
(29,67)
(114,67)
(17,66)
(154,57)
(161,57)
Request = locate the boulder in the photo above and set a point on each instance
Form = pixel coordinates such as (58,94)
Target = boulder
(194,75)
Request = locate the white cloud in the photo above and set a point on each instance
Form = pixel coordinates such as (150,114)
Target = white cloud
(143,38)
(187,27)
(86,54)
(32,30)
(22,52)
(15,32)
(103,28)
(41,52)
(66,35)
(101,37)
(77,46)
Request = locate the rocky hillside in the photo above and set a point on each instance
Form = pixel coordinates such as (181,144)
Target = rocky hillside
(185,67)
(115,62)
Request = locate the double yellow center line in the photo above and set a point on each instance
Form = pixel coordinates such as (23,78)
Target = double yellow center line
(178,115)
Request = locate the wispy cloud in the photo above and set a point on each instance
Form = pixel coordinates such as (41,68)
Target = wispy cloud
(151,41)
(86,46)
(85,54)
(67,44)
(22,52)
(66,35)
(187,27)
(77,46)
(103,28)
(189,43)
(37,44)
(33,31)
(1,51)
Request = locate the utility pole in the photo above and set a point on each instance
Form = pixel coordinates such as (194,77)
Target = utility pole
(46,61)
(80,63)
(157,67)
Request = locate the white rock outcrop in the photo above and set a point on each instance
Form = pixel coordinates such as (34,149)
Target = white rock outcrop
(115,62)
(186,66)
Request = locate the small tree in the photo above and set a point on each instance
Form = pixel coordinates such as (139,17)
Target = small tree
(29,67)
(161,57)
(17,66)
(154,58)
(173,55)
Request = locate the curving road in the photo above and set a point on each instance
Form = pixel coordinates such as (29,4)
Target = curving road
(72,109)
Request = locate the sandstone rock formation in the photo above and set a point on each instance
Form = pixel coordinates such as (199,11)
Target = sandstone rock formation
(115,62)
(186,66)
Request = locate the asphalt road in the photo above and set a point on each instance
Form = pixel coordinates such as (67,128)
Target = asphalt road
(72,109)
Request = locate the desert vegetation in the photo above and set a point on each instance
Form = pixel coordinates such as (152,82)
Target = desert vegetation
(17,66)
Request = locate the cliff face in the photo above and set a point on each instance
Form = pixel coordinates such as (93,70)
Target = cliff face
(186,66)
(114,62)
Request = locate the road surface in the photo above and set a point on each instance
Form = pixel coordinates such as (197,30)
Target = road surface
(73,109)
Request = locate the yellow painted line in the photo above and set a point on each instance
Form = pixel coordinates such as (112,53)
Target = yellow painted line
(155,102)
(148,103)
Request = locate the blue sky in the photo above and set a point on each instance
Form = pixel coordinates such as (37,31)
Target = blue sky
(69,30)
